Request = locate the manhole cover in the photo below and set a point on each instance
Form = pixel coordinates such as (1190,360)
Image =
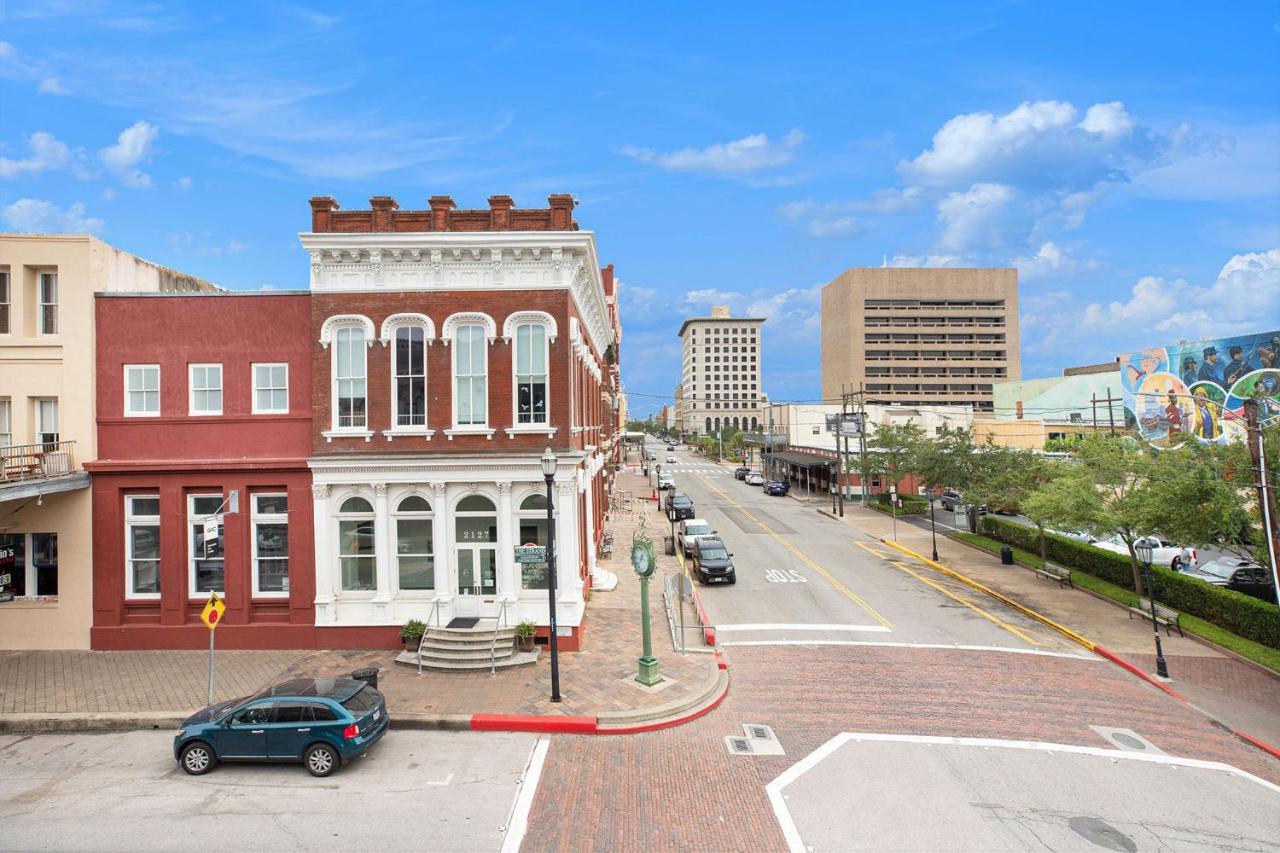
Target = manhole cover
(1128,740)
(1101,833)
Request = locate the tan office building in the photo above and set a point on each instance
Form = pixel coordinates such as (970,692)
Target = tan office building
(721,373)
(48,427)
(917,337)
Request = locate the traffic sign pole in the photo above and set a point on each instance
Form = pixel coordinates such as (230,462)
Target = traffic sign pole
(210,666)
(212,612)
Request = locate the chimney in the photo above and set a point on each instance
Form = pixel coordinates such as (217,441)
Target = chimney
(440,207)
(562,205)
(383,206)
(500,212)
(322,207)
(606,276)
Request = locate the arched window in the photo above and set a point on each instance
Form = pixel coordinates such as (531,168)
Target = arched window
(532,520)
(708,426)
(470,377)
(531,374)
(357,545)
(755,424)
(477,534)
(737,424)
(717,424)
(415,544)
(349,379)
(409,368)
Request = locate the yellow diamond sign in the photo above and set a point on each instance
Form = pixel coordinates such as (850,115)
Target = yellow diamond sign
(213,611)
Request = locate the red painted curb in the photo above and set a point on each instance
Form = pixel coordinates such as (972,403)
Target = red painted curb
(720,661)
(1260,744)
(709,632)
(1114,658)
(666,724)
(533,723)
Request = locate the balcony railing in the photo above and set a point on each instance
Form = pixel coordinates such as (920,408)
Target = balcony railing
(25,462)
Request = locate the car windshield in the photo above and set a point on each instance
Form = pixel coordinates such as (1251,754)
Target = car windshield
(713,552)
(681,500)
(362,702)
(697,529)
(1220,569)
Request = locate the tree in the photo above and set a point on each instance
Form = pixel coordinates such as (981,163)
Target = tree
(1203,495)
(1056,498)
(894,449)
(947,461)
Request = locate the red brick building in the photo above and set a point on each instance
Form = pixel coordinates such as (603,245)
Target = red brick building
(201,483)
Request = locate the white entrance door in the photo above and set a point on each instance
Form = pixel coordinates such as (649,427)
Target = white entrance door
(477,577)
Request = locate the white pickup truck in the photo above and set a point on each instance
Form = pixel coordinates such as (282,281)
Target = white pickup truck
(1163,552)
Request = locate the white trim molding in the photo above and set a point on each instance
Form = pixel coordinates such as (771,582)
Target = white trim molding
(468,318)
(331,434)
(407,432)
(394,321)
(487,432)
(519,318)
(343,321)
(531,429)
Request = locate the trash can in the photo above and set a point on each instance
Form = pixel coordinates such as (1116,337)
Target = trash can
(368,676)
(669,546)
(1006,555)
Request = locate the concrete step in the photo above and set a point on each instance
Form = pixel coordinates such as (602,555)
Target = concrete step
(517,659)
(443,647)
(480,630)
(470,654)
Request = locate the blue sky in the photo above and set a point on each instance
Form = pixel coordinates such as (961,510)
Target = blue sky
(1126,157)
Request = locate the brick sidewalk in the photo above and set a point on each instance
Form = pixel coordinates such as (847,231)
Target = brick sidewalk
(598,679)
(1233,692)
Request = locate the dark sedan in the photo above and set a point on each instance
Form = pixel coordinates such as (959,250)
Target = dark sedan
(321,722)
(681,505)
(777,488)
(741,471)
(712,561)
(1238,574)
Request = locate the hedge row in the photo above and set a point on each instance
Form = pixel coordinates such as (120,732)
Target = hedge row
(1236,612)
(911,504)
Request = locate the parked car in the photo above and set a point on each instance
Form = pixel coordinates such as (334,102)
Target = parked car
(950,499)
(1236,573)
(671,460)
(741,471)
(650,455)
(690,531)
(681,505)
(665,481)
(712,561)
(671,447)
(321,722)
(1163,552)
(755,478)
(777,488)
(1077,535)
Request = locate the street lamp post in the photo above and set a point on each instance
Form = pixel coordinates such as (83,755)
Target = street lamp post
(1144,553)
(933,528)
(833,489)
(548,473)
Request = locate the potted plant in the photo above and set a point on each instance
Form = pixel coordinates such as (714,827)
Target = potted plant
(412,633)
(524,634)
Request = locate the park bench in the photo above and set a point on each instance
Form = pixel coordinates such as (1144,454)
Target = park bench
(1056,573)
(1166,616)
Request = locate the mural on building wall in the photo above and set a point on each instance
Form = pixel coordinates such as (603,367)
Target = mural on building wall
(1197,390)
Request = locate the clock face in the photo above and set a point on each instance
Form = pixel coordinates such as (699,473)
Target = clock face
(640,561)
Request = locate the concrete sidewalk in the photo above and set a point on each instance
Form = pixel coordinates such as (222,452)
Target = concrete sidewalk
(1239,694)
(125,689)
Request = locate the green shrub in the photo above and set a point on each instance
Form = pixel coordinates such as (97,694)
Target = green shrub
(911,504)
(1236,612)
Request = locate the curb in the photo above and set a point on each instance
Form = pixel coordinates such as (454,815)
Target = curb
(105,721)
(721,691)
(1093,647)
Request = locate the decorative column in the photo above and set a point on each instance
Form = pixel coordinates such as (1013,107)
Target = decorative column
(384,548)
(567,554)
(589,507)
(446,579)
(323,525)
(508,584)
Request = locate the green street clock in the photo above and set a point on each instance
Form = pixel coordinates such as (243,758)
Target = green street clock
(642,558)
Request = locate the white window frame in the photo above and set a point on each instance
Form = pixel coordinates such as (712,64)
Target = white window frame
(191,519)
(259,517)
(515,378)
(41,304)
(128,412)
(131,520)
(478,340)
(253,381)
(360,429)
(396,426)
(191,388)
(41,432)
(399,515)
(532,515)
(6,302)
(338,517)
(6,422)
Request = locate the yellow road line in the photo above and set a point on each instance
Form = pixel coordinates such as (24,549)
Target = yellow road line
(949,594)
(850,594)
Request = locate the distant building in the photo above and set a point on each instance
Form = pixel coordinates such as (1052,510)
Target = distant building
(917,337)
(677,410)
(1030,412)
(721,362)
(48,426)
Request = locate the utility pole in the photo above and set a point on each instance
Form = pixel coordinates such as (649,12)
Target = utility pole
(1095,411)
(840,458)
(1111,413)
(1266,498)
(862,443)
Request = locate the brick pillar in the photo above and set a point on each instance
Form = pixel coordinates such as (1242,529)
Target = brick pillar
(440,207)
(322,207)
(500,212)
(561,211)
(384,207)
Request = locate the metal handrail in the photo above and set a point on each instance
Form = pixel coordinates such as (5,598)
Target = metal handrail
(35,461)
(499,622)
(435,610)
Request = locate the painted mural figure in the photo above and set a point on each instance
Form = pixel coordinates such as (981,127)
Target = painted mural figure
(1173,414)
(1189,371)
(1209,371)
(1205,420)
(1238,366)
(1269,357)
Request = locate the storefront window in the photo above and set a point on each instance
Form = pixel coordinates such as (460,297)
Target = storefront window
(205,544)
(44,558)
(142,535)
(271,544)
(415,547)
(533,531)
(13,565)
(356,545)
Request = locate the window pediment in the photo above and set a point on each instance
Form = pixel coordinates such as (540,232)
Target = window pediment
(409,319)
(519,318)
(329,329)
(472,318)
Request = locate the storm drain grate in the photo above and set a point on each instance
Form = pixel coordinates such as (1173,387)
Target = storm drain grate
(763,740)
(738,745)
(1127,739)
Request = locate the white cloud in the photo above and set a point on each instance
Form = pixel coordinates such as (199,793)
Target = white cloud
(1050,260)
(47,152)
(6,50)
(133,146)
(741,156)
(925,261)
(187,243)
(831,218)
(30,215)
(52,86)
(794,315)
(710,296)
(1227,164)
(840,226)
(974,216)
(182,184)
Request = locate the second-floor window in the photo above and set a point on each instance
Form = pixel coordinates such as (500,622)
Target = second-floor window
(470,372)
(410,386)
(141,390)
(6,423)
(531,374)
(48,303)
(349,379)
(270,389)
(47,421)
(4,302)
(206,389)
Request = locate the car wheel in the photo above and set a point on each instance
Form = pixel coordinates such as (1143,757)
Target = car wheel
(733,577)
(198,758)
(321,760)
(1176,565)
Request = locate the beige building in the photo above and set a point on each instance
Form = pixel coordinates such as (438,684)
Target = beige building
(677,407)
(914,337)
(721,373)
(47,426)
(1030,433)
